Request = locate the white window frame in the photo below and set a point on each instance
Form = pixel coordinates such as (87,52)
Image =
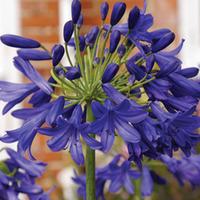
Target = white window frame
(189,26)
(64,16)
(9,23)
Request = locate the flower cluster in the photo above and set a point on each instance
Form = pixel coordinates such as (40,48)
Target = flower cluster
(123,83)
(18,175)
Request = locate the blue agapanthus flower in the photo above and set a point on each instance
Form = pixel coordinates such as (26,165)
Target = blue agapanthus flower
(122,83)
(18,175)
(184,169)
(118,173)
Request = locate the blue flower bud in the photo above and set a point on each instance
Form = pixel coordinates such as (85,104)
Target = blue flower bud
(104,10)
(73,73)
(92,35)
(57,54)
(96,61)
(117,12)
(68,31)
(18,41)
(76,10)
(59,70)
(121,50)
(110,72)
(189,72)
(81,43)
(114,40)
(133,17)
(163,42)
(80,21)
(31,54)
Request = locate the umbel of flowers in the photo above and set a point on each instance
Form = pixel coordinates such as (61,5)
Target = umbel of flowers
(123,84)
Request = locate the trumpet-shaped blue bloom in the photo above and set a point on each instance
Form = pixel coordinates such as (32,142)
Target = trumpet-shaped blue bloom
(19,176)
(184,169)
(111,118)
(33,119)
(67,135)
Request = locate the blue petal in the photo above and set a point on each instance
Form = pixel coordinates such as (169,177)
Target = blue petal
(98,109)
(76,153)
(56,109)
(32,74)
(147,183)
(107,140)
(127,132)
(31,54)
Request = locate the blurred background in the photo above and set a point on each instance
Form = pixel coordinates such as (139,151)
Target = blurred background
(43,20)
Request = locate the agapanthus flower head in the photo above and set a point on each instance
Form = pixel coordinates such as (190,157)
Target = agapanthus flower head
(120,84)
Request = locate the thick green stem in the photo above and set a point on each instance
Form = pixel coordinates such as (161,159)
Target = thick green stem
(90,164)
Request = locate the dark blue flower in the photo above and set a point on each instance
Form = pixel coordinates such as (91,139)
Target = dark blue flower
(114,40)
(122,176)
(18,41)
(117,12)
(133,17)
(184,169)
(104,10)
(147,145)
(68,31)
(110,72)
(57,54)
(183,86)
(32,54)
(177,130)
(33,168)
(19,176)
(76,10)
(67,134)
(110,117)
(166,60)
(73,73)
(33,119)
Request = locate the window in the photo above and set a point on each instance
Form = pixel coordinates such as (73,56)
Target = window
(9,23)
(189,20)
(64,16)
